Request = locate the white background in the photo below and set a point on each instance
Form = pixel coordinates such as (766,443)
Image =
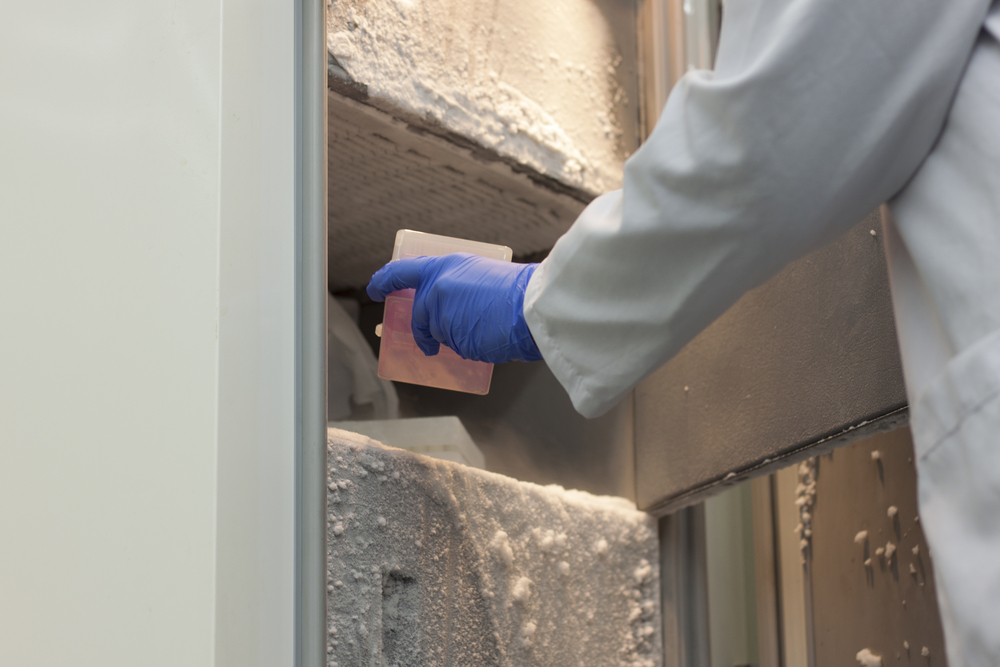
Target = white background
(146,333)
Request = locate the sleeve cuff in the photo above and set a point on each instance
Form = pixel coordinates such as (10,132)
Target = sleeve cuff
(586,400)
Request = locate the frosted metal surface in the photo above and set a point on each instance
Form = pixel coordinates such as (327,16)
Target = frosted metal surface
(496,123)
(809,359)
(548,85)
(431,562)
(442,438)
(386,174)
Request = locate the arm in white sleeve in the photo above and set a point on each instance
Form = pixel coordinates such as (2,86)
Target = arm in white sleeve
(817,111)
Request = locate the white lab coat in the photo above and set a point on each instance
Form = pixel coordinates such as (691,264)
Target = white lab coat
(817,111)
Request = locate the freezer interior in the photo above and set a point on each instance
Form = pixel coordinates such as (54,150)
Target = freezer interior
(499,124)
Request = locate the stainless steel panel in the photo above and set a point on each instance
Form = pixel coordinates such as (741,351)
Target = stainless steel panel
(310,345)
(803,363)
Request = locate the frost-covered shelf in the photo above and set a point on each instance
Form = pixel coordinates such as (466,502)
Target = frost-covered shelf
(431,562)
(497,123)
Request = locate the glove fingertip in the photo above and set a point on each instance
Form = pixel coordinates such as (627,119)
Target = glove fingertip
(377,287)
(373,292)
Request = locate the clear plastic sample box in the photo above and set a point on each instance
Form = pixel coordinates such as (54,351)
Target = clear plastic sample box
(399,357)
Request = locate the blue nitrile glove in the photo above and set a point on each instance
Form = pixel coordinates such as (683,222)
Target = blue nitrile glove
(471,304)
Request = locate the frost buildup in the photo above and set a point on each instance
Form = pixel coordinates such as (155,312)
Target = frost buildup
(868,659)
(384,45)
(472,568)
(805,499)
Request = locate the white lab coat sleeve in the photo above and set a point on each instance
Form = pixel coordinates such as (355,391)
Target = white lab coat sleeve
(958,461)
(817,111)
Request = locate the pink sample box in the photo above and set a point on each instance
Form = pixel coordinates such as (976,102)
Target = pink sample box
(399,357)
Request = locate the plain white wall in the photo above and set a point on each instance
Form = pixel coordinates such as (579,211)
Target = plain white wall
(146,336)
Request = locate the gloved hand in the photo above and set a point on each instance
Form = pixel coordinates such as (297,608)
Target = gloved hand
(472,304)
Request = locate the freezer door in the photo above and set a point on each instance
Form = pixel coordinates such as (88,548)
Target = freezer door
(802,364)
